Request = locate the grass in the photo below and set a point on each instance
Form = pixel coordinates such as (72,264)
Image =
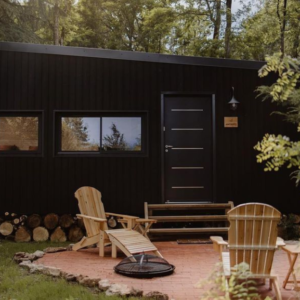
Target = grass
(17,284)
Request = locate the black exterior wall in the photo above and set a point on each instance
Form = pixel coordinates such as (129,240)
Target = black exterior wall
(50,78)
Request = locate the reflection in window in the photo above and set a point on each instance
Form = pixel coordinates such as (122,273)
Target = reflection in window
(19,134)
(80,134)
(122,134)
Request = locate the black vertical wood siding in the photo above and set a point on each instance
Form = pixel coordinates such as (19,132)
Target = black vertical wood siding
(30,81)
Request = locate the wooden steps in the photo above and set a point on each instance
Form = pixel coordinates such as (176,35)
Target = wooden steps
(187,213)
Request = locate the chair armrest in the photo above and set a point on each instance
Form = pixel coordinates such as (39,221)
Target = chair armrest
(141,220)
(280,242)
(91,218)
(218,244)
(218,239)
(121,216)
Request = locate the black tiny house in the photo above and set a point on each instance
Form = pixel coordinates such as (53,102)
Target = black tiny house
(139,127)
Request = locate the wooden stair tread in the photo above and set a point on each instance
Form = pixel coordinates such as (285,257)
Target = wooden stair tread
(191,218)
(189,206)
(191,230)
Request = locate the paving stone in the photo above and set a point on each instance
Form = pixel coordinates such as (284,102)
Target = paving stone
(156,296)
(38,254)
(118,290)
(54,249)
(88,281)
(25,264)
(52,271)
(104,285)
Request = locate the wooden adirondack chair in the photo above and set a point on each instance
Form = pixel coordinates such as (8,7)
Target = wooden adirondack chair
(95,222)
(252,238)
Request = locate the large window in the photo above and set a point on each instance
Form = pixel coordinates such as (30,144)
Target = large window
(20,133)
(101,133)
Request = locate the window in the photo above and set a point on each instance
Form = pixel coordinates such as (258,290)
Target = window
(20,133)
(80,134)
(122,133)
(101,133)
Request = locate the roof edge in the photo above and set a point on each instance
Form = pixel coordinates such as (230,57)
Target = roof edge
(130,55)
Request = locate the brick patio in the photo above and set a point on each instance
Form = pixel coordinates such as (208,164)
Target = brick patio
(193,263)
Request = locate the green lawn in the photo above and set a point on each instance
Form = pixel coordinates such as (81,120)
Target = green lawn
(17,284)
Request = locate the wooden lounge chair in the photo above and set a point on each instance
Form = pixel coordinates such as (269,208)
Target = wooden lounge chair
(95,220)
(252,238)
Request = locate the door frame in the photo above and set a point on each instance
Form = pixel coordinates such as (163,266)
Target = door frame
(162,136)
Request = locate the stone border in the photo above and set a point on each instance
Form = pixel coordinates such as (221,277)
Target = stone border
(25,260)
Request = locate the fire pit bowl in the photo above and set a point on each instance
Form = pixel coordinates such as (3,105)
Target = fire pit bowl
(144,266)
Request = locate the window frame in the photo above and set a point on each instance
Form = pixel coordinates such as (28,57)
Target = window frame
(59,114)
(26,113)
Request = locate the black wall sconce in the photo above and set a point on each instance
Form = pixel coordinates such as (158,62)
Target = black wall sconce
(233,103)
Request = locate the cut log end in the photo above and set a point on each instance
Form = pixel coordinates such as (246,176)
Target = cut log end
(6,228)
(23,234)
(66,221)
(75,234)
(34,221)
(40,234)
(51,221)
(58,235)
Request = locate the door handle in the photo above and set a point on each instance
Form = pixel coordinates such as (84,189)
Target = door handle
(168,146)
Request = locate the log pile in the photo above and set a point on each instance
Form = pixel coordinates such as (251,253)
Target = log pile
(23,228)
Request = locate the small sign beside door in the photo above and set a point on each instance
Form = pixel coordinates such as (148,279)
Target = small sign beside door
(231,122)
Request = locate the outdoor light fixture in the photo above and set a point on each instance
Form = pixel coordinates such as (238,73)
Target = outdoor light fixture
(233,103)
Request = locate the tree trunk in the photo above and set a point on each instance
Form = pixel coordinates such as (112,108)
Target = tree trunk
(51,221)
(217,20)
(75,234)
(66,221)
(282,23)
(295,47)
(56,24)
(33,221)
(58,235)
(6,228)
(217,24)
(62,36)
(23,234)
(40,234)
(228,28)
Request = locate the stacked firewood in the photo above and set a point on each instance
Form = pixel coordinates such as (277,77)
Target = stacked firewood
(23,228)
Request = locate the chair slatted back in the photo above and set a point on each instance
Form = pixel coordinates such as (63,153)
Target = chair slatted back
(90,204)
(252,236)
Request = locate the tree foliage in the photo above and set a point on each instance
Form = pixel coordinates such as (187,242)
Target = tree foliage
(273,28)
(277,151)
(115,141)
(190,27)
(74,136)
(239,286)
(15,20)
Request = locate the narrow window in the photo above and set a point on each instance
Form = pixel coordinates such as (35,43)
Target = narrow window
(20,133)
